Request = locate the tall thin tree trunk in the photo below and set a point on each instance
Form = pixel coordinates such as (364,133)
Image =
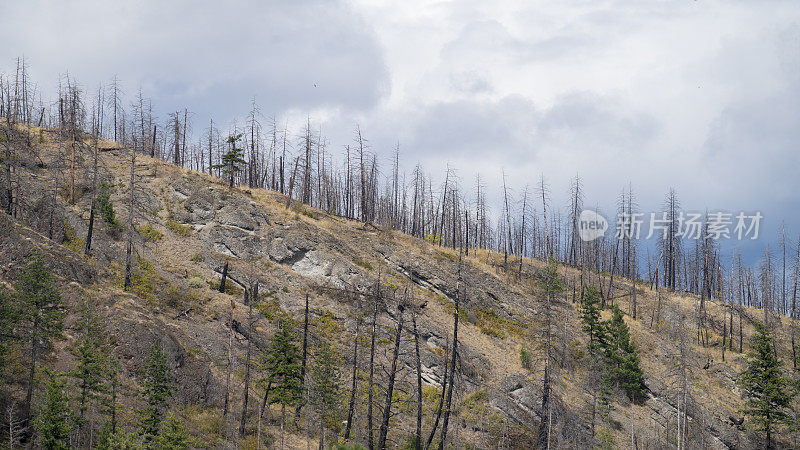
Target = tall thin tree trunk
(370,433)
(305,357)
(230,363)
(351,407)
(454,361)
(31,374)
(418,434)
(387,409)
(88,248)
(249,300)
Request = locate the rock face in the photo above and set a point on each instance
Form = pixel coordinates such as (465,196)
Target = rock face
(208,205)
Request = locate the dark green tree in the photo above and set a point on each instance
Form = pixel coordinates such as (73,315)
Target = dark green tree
(158,389)
(119,440)
(9,315)
(591,321)
(233,159)
(106,207)
(41,315)
(622,357)
(53,417)
(283,363)
(326,388)
(764,388)
(92,365)
(174,435)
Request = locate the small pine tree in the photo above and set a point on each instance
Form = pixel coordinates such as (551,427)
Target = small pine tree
(8,318)
(52,422)
(551,281)
(158,389)
(326,388)
(232,160)
(90,372)
(622,357)
(174,435)
(284,365)
(764,387)
(41,315)
(118,440)
(590,318)
(106,207)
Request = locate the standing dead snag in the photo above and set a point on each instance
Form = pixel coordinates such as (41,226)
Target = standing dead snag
(229,370)
(375,300)
(249,299)
(418,365)
(305,358)
(9,194)
(392,372)
(351,407)
(453,360)
(553,286)
(440,406)
(131,230)
(224,277)
(507,248)
(88,248)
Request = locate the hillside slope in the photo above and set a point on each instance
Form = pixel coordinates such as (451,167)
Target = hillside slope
(190,224)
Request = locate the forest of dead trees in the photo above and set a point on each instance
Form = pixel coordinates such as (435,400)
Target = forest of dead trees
(353,182)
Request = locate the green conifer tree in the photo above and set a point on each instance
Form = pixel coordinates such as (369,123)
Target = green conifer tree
(326,389)
(764,387)
(158,389)
(233,159)
(174,435)
(91,369)
(8,319)
(284,365)
(592,324)
(41,315)
(622,357)
(53,418)
(118,440)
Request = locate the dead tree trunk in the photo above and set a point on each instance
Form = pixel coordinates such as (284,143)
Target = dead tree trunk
(418,434)
(305,358)
(454,360)
(352,406)
(372,364)
(248,301)
(230,362)
(440,406)
(224,277)
(387,409)
(129,252)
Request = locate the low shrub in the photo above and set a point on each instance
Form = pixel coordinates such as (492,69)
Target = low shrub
(71,240)
(525,358)
(363,264)
(150,234)
(106,207)
(179,228)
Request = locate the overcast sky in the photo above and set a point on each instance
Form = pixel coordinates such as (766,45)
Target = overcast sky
(702,96)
